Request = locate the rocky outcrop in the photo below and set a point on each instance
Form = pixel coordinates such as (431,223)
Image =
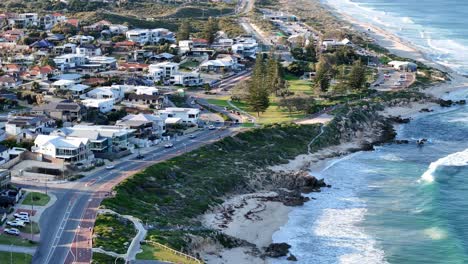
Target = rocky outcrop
(291,257)
(449,103)
(276,250)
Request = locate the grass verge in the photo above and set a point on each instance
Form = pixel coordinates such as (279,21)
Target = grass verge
(36,198)
(153,252)
(15,241)
(16,258)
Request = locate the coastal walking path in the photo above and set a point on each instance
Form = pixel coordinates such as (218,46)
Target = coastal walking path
(18,249)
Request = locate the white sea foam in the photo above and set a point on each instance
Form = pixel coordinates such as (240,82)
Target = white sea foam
(329,231)
(458,159)
(435,233)
(391,157)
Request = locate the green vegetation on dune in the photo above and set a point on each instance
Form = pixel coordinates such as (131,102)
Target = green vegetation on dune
(99,258)
(153,252)
(173,192)
(113,233)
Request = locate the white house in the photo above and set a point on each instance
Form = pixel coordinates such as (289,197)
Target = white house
(103,105)
(88,50)
(186,79)
(71,149)
(246,47)
(187,115)
(169,68)
(80,39)
(69,61)
(226,63)
(185,46)
(403,65)
(143,36)
(143,123)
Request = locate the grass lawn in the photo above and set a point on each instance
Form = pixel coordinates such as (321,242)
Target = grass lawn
(99,258)
(273,114)
(218,102)
(16,241)
(36,198)
(190,64)
(27,228)
(153,252)
(113,233)
(297,85)
(16,258)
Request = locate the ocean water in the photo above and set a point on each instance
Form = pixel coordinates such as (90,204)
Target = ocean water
(437,27)
(398,204)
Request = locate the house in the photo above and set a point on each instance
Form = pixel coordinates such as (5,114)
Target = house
(187,115)
(143,124)
(145,101)
(143,36)
(116,92)
(4,157)
(102,138)
(88,50)
(28,127)
(5,178)
(221,65)
(69,61)
(103,105)
(186,79)
(80,39)
(404,65)
(132,66)
(185,46)
(9,81)
(104,62)
(169,68)
(69,149)
(333,43)
(66,111)
(41,73)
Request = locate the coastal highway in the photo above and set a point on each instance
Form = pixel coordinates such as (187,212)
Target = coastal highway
(65,226)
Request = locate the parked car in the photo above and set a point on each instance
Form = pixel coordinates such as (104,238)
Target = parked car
(169,145)
(15,223)
(12,231)
(110,167)
(191,136)
(24,219)
(211,127)
(139,156)
(21,214)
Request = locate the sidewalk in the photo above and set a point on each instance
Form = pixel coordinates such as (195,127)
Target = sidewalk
(18,249)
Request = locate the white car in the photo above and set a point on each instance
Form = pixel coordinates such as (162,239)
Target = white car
(211,127)
(110,167)
(24,219)
(21,214)
(12,231)
(15,223)
(169,145)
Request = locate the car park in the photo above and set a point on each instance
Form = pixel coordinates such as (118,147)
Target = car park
(21,214)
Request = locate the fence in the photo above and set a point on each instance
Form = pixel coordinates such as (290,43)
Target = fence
(188,257)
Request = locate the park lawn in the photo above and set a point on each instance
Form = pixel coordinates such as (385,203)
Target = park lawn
(16,258)
(153,252)
(113,233)
(221,102)
(273,114)
(297,85)
(15,241)
(36,198)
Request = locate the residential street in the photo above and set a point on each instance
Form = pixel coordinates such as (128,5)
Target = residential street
(75,209)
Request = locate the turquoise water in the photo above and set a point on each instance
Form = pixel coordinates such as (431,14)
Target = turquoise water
(437,27)
(398,204)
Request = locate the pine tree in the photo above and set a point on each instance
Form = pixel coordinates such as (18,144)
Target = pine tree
(257,92)
(210,30)
(184,31)
(357,75)
(310,52)
(322,76)
(274,74)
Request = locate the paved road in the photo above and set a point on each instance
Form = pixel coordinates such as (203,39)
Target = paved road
(70,218)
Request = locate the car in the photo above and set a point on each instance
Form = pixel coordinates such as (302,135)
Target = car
(15,223)
(169,145)
(191,136)
(24,219)
(21,214)
(397,83)
(110,167)
(12,231)
(211,127)
(377,85)
(139,156)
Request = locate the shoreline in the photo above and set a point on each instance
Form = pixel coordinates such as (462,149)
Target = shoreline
(260,230)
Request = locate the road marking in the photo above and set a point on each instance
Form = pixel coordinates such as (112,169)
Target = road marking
(59,232)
